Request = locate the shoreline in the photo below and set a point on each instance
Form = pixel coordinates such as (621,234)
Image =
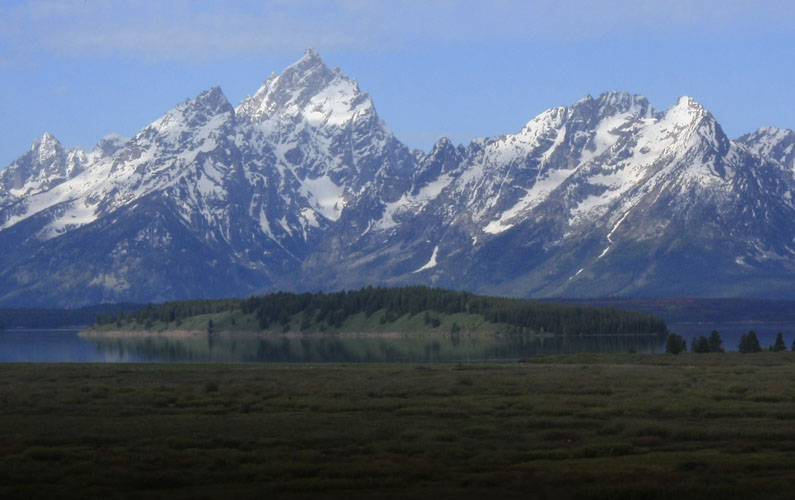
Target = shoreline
(247,334)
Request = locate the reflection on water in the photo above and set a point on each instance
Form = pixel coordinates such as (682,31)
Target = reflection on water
(67,346)
(450,348)
(55,346)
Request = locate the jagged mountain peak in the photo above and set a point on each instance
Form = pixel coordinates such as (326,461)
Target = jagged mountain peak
(310,59)
(213,100)
(45,157)
(689,102)
(322,127)
(769,134)
(47,137)
(772,131)
(692,125)
(610,109)
(46,146)
(208,109)
(688,109)
(307,87)
(208,103)
(615,102)
(772,143)
(45,165)
(444,143)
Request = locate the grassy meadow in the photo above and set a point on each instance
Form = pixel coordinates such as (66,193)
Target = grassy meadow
(580,426)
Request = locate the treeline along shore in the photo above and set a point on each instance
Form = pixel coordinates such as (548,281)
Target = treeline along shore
(414,308)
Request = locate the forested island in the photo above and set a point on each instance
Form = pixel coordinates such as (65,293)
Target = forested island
(414,309)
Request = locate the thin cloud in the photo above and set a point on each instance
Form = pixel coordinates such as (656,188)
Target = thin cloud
(206,30)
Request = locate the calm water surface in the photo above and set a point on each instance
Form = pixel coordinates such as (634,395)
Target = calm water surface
(61,346)
(67,346)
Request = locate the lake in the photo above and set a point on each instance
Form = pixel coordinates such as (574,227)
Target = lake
(60,346)
(67,346)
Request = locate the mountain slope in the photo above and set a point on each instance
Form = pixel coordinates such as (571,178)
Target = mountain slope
(303,186)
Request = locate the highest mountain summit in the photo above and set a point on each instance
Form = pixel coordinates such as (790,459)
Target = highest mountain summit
(303,186)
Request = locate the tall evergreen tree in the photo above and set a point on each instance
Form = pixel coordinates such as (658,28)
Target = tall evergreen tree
(699,344)
(749,343)
(715,342)
(675,344)
(779,345)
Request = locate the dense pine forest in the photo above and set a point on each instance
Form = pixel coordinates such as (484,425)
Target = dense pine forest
(330,311)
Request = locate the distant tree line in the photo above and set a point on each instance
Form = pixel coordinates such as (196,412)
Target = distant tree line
(332,309)
(174,311)
(677,310)
(59,318)
(748,343)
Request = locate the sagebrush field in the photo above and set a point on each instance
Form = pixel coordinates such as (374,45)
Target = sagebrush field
(586,426)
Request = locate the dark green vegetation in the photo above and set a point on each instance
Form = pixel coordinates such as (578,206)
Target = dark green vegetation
(713,343)
(386,309)
(749,343)
(59,318)
(677,310)
(675,344)
(584,426)
(779,345)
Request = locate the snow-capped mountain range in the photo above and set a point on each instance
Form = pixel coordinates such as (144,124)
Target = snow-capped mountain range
(303,186)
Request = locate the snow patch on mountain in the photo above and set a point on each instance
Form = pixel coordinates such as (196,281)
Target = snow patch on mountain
(606,134)
(78,214)
(335,105)
(540,190)
(412,203)
(326,196)
(431,262)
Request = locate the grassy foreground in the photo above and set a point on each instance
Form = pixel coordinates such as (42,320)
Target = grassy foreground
(586,426)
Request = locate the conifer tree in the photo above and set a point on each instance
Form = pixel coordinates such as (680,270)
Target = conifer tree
(675,344)
(749,343)
(699,344)
(715,342)
(779,345)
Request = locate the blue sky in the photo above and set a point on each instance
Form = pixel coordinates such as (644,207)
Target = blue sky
(463,69)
